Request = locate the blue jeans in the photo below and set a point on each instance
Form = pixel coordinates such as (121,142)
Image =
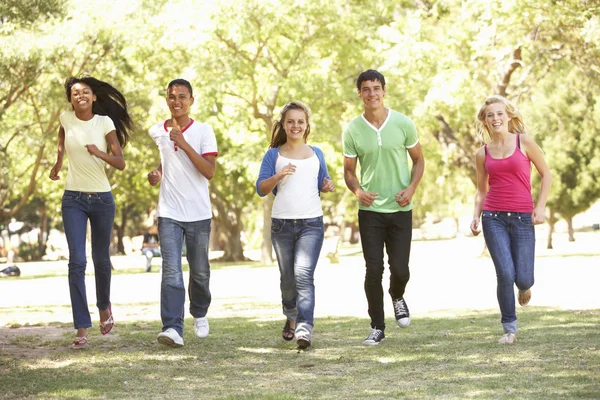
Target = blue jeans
(297,244)
(510,238)
(172,289)
(77,209)
(394,230)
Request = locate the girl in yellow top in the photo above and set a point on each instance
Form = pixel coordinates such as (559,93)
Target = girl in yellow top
(92,134)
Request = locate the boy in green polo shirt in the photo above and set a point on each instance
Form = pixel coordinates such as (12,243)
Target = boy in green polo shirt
(380,140)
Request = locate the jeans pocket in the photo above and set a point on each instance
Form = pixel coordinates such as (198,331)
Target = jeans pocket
(68,196)
(525,219)
(106,198)
(276,225)
(316,223)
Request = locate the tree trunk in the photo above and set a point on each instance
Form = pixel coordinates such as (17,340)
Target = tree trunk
(233,249)
(570,228)
(551,222)
(267,246)
(44,233)
(121,229)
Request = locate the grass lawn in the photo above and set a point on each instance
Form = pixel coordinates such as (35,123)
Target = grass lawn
(556,356)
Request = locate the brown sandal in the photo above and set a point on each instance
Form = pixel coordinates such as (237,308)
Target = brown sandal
(79,342)
(288,331)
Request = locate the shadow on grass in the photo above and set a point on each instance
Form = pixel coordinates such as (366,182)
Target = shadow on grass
(556,355)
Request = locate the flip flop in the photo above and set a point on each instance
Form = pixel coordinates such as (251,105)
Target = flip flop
(79,342)
(106,326)
(288,332)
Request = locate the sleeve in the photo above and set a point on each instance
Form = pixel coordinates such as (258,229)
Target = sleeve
(267,168)
(411,134)
(349,145)
(208,146)
(64,119)
(109,125)
(323,172)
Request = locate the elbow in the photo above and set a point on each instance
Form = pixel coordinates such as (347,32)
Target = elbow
(121,166)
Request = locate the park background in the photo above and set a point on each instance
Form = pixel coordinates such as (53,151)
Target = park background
(245,60)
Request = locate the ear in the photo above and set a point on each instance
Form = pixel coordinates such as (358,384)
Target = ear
(93,98)
(191,100)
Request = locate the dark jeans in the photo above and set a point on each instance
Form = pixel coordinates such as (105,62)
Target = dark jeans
(77,209)
(172,288)
(395,231)
(510,238)
(297,243)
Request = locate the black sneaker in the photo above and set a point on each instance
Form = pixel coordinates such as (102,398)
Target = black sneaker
(401,312)
(375,337)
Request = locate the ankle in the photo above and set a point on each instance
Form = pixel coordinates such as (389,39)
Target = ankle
(81,332)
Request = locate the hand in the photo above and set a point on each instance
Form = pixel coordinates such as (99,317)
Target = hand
(404,197)
(154,177)
(54,171)
(288,170)
(175,134)
(367,198)
(92,149)
(539,215)
(475,226)
(327,185)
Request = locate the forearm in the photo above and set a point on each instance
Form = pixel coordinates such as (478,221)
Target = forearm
(478,204)
(200,163)
(115,161)
(352,182)
(266,186)
(544,191)
(418,169)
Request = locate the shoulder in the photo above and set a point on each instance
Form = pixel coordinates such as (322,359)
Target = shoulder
(480,153)
(66,116)
(354,125)
(157,128)
(400,118)
(201,127)
(526,139)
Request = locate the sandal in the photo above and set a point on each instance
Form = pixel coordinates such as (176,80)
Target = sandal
(508,338)
(106,326)
(303,342)
(79,342)
(288,331)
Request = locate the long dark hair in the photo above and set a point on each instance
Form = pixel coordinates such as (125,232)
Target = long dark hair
(109,102)
(278,136)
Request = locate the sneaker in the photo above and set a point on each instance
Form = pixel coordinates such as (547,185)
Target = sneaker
(508,338)
(401,312)
(524,297)
(201,327)
(375,337)
(170,338)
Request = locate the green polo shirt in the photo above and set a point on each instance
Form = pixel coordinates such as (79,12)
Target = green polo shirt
(382,155)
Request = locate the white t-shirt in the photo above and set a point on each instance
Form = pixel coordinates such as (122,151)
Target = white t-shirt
(298,194)
(86,172)
(183,189)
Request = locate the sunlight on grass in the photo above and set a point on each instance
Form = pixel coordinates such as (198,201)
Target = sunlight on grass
(258,351)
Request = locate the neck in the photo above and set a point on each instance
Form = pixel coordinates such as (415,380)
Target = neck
(182,121)
(84,115)
(502,137)
(377,115)
(293,144)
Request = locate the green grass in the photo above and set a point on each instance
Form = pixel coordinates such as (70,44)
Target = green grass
(557,356)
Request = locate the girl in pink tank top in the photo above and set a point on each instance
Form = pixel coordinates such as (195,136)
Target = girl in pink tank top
(504,203)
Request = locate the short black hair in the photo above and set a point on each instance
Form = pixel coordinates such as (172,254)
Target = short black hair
(370,75)
(181,82)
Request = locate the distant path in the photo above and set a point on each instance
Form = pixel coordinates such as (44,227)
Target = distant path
(445,275)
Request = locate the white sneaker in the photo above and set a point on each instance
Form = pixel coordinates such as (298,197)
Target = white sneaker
(170,338)
(201,327)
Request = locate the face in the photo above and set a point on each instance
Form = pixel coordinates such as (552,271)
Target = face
(179,100)
(82,97)
(371,93)
(496,118)
(295,124)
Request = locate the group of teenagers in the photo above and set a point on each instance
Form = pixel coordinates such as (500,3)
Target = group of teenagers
(381,140)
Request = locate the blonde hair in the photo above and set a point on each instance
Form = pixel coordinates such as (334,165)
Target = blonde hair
(278,135)
(515,125)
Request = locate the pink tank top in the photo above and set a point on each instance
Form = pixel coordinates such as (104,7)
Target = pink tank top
(509,182)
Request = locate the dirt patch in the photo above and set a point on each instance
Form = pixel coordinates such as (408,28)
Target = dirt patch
(28,349)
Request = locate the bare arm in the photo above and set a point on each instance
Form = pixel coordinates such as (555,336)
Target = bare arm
(206,165)
(115,158)
(482,189)
(534,153)
(404,197)
(59,156)
(365,198)
(267,185)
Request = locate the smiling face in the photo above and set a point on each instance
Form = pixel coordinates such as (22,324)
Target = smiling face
(372,93)
(179,100)
(496,118)
(295,124)
(82,97)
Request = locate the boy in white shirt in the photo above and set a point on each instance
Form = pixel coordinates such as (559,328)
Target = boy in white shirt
(188,151)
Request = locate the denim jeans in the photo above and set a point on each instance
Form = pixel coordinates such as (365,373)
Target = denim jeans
(172,288)
(297,244)
(394,230)
(77,209)
(510,238)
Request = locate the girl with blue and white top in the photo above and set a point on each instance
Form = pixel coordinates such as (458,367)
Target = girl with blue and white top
(296,174)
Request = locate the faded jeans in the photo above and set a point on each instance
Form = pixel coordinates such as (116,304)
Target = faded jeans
(172,289)
(77,209)
(297,244)
(510,238)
